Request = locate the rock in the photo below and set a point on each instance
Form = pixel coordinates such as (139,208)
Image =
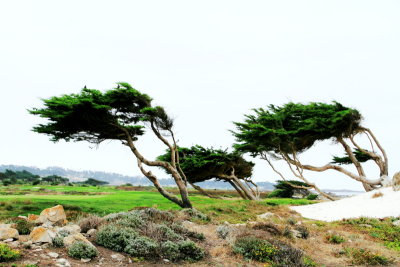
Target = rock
(91,232)
(41,234)
(27,244)
(30,262)
(14,244)
(69,240)
(54,215)
(366,225)
(53,255)
(72,229)
(23,217)
(8,233)
(265,216)
(23,238)
(5,225)
(118,257)
(43,256)
(33,218)
(9,240)
(296,233)
(165,260)
(85,260)
(63,263)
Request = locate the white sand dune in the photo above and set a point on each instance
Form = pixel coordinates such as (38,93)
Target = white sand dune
(363,205)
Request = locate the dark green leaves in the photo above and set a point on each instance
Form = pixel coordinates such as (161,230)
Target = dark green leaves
(94,116)
(294,127)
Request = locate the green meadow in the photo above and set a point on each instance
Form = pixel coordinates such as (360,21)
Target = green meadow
(24,200)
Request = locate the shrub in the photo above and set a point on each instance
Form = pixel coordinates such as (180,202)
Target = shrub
(277,193)
(363,256)
(287,232)
(157,216)
(303,231)
(114,237)
(334,239)
(195,214)
(178,228)
(58,241)
(268,227)
(170,251)
(312,196)
(223,231)
(308,262)
(8,254)
(131,219)
(82,250)
(164,233)
(253,248)
(23,226)
(287,255)
(291,221)
(190,251)
(90,222)
(141,247)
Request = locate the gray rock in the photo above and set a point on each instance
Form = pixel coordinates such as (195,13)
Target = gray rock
(53,255)
(8,233)
(14,244)
(118,257)
(72,229)
(85,260)
(63,263)
(366,225)
(9,240)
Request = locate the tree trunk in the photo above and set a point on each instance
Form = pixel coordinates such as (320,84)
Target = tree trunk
(237,189)
(202,191)
(246,191)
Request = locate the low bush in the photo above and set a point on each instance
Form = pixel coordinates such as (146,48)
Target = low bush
(141,247)
(82,250)
(267,227)
(190,251)
(58,241)
(8,254)
(90,222)
(277,193)
(366,257)
(312,196)
(195,214)
(223,231)
(114,237)
(170,251)
(287,232)
(178,228)
(304,233)
(334,239)
(253,248)
(291,221)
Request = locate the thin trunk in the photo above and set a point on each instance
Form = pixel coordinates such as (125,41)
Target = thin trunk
(246,191)
(160,189)
(237,189)
(202,191)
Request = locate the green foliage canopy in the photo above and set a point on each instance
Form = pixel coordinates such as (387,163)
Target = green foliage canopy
(294,127)
(200,164)
(95,116)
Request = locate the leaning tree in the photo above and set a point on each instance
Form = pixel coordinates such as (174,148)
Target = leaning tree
(199,164)
(120,114)
(283,132)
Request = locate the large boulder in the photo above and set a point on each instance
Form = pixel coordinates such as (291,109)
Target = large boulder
(71,228)
(41,234)
(6,232)
(54,216)
(33,218)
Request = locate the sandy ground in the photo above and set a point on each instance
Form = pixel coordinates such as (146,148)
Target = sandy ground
(363,205)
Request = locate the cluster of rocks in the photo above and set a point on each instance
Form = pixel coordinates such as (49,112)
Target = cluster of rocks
(49,224)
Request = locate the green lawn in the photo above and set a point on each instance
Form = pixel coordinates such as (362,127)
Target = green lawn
(22,200)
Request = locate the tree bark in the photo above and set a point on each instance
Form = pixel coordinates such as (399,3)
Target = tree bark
(237,189)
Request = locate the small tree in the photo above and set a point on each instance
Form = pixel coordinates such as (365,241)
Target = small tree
(119,114)
(200,164)
(285,132)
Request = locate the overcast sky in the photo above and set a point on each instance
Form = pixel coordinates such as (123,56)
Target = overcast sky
(207,62)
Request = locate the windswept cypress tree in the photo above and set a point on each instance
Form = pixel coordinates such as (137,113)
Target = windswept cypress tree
(120,114)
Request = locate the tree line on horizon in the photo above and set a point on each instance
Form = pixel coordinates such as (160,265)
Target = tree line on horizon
(9,177)
(273,133)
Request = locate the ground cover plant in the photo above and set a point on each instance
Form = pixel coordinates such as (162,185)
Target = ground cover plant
(150,234)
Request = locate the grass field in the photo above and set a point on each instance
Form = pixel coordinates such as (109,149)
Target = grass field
(23,200)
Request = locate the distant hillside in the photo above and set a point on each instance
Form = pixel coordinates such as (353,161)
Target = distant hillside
(115,178)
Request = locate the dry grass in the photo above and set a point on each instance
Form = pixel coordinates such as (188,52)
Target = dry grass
(377,194)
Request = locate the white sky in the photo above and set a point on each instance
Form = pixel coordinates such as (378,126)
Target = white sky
(207,62)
